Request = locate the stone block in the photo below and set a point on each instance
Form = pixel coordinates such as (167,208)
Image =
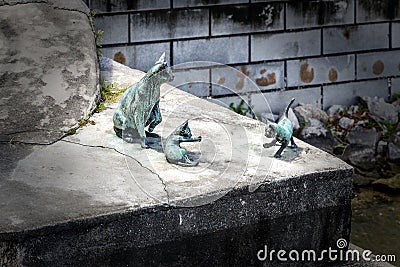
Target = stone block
(395,85)
(277,101)
(303,14)
(123,5)
(225,50)
(396,35)
(194,3)
(244,19)
(141,57)
(167,24)
(285,45)
(378,64)
(372,10)
(346,94)
(48,70)
(92,199)
(355,38)
(247,78)
(115,28)
(194,81)
(320,70)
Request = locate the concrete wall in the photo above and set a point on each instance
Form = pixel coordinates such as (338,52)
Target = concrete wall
(321,52)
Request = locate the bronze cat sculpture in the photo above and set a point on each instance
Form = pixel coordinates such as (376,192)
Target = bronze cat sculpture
(139,105)
(173,152)
(281,132)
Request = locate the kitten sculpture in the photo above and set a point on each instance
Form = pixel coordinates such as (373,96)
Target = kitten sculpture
(281,132)
(139,105)
(173,152)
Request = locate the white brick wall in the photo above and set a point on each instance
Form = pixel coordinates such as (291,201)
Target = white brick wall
(285,45)
(312,50)
(378,64)
(161,25)
(346,94)
(356,38)
(320,70)
(225,50)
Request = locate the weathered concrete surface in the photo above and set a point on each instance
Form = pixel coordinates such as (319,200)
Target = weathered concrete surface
(93,199)
(48,68)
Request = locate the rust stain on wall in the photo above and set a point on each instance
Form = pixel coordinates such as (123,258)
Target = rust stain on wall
(242,75)
(306,73)
(333,75)
(120,57)
(364,69)
(346,34)
(221,80)
(378,67)
(265,81)
(262,71)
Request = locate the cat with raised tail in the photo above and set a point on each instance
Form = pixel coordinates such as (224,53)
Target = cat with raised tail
(139,105)
(281,132)
(172,150)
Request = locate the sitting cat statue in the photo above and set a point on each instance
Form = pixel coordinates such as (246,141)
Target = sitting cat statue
(173,152)
(139,105)
(281,132)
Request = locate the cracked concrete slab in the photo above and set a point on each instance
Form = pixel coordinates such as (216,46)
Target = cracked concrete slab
(91,197)
(112,175)
(48,68)
(52,184)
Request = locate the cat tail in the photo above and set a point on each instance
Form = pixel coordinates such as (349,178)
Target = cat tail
(188,164)
(288,106)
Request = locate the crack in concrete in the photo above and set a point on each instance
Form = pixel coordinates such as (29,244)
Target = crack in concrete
(140,163)
(13,142)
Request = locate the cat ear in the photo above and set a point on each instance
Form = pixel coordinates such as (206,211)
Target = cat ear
(186,123)
(161,59)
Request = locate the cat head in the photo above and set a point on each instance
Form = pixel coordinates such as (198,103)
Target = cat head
(161,70)
(184,130)
(270,130)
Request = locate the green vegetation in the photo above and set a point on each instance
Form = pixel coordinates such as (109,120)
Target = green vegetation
(242,108)
(371,123)
(390,128)
(100,107)
(395,97)
(97,34)
(339,149)
(71,131)
(13,139)
(304,123)
(110,93)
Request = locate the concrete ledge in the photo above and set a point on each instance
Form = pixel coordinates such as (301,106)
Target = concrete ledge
(92,199)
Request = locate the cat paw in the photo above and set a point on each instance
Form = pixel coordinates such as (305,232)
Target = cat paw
(128,139)
(152,135)
(144,144)
(267,145)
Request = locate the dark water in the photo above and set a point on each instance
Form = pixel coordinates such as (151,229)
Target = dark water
(376,222)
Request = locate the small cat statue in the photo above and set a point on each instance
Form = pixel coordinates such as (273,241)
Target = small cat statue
(172,150)
(139,105)
(281,132)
